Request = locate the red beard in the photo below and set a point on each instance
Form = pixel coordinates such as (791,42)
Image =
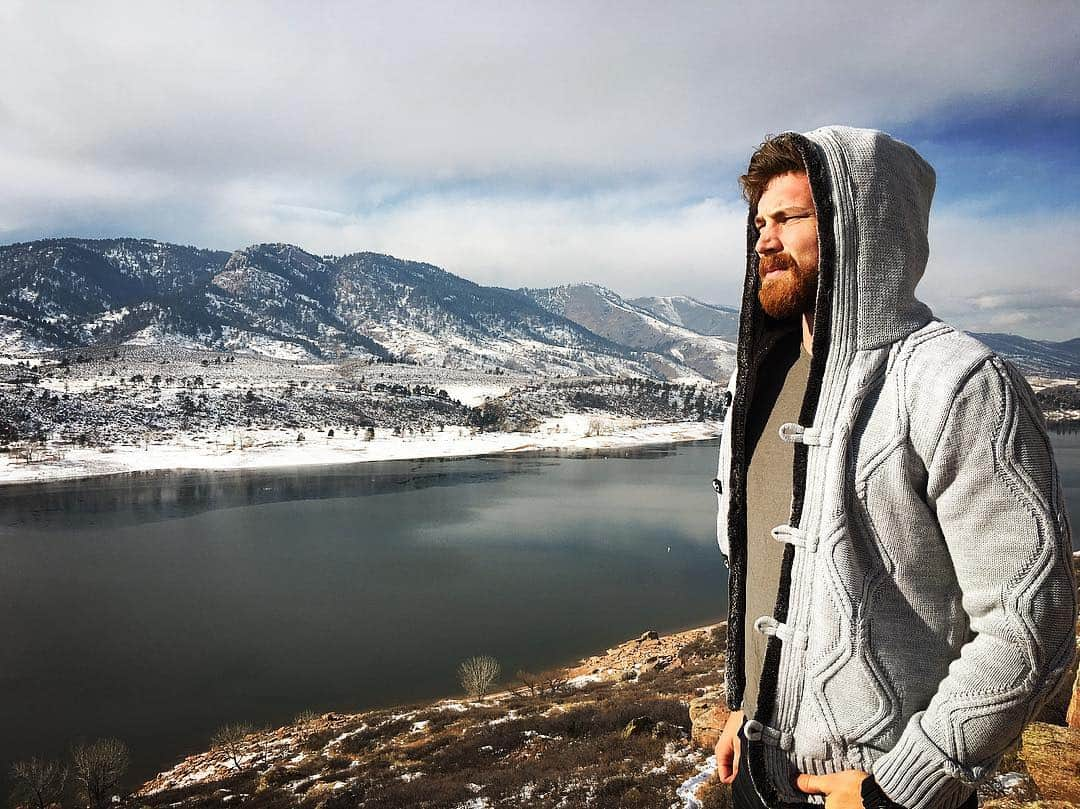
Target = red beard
(789,294)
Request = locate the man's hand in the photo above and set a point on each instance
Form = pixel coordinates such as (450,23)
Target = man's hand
(727,748)
(842,790)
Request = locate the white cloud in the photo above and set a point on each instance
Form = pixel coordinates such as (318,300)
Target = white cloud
(513,143)
(481,88)
(638,240)
(1005,273)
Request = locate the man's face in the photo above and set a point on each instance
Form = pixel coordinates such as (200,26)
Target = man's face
(787,246)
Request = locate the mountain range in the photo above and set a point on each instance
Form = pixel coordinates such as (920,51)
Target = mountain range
(279,300)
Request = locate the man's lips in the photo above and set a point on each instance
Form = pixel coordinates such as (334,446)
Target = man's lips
(774,264)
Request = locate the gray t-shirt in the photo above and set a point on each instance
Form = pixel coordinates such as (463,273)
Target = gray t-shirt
(777,399)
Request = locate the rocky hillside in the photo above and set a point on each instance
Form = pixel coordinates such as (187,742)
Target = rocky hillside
(134,394)
(704,318)
(668,344)
(614,731)
(1036,357)
(632,727)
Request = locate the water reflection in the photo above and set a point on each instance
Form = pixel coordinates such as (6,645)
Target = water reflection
(141,497)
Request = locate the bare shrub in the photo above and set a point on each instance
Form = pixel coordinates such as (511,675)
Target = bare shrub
(97,769)
(477,674)
(27,451)
(552,681)
(597,427)
(549,682)
(530,681)
(38,782)
(230,739)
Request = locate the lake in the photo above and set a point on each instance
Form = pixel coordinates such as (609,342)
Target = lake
(155,608)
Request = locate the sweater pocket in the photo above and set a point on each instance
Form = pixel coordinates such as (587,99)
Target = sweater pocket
(853,694)
(852,689)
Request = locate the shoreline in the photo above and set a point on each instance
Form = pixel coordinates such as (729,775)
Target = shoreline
(649,652)
(234,450)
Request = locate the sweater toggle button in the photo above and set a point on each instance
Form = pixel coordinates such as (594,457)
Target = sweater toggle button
(770,627)
(755,731)
(752,730)
(718,487)
(797,434)
(795,536)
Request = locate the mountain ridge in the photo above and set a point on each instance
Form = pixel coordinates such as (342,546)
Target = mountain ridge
(279,300)
(605,312)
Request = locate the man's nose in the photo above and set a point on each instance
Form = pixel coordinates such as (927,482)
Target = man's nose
(767,241)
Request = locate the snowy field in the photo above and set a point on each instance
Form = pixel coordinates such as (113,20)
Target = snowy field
(260,449)
(141,408)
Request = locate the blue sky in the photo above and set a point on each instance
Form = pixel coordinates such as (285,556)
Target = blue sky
(1009,158)
(529,144)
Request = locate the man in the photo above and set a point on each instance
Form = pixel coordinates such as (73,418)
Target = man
(901,595)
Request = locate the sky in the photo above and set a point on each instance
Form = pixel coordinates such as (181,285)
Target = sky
(541,143)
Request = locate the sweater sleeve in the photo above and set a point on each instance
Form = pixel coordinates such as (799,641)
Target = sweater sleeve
(994,485)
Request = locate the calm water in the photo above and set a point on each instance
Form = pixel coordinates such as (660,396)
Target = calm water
(156,608)
(1067,455)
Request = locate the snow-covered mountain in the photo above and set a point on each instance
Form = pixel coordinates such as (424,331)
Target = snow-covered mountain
(1036,357)
(279,300)
(704,318)
(606,313)
(65,292)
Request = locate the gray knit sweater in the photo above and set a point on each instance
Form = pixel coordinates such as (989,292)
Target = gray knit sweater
(927,606)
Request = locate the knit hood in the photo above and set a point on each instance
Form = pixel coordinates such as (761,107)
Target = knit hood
(872,195)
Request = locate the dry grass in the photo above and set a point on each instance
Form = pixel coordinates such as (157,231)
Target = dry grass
(714,795)
(605,744)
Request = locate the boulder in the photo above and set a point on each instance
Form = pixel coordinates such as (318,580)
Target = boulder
(1072,714)
(1052,756)
(708,714)
(639,724)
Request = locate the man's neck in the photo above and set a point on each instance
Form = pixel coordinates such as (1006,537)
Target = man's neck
(808,332)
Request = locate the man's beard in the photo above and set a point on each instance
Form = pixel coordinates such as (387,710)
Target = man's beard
(789,294)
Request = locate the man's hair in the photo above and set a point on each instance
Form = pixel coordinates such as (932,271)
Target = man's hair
(776,155)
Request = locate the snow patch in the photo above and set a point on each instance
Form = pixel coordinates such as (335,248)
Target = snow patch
(1008,781)
(687,790)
